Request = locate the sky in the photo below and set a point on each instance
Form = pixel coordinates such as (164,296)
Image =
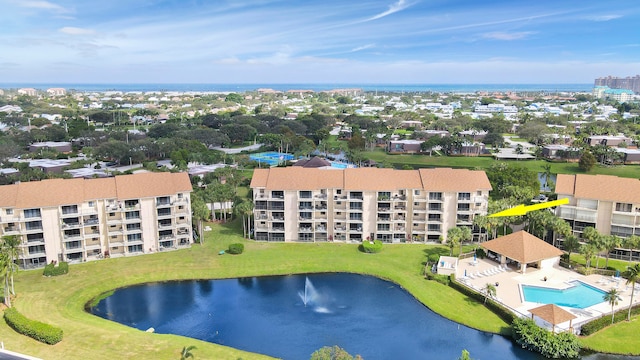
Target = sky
(318,41)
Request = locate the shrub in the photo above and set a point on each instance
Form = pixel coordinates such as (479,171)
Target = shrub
(371,247)
(602,322)
(42,332)
(530,336)
(52,270)
(480,253)
(236,248)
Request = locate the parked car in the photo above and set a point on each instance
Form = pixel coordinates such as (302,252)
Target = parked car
(540,198)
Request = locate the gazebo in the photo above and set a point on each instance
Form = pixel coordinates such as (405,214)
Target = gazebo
(552,314)
(524,249)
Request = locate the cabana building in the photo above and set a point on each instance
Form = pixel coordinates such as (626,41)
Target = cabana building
(522,249)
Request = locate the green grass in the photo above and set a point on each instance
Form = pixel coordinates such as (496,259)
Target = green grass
(60,300)
(484,162)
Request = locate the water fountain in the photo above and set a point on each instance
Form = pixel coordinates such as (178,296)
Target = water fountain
(310,296)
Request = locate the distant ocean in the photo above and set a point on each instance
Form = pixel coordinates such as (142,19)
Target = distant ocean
(395,88)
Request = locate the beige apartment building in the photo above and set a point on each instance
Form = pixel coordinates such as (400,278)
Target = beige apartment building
(88,219)
(305,204)
(610,204)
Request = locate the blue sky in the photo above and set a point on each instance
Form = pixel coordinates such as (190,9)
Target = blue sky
(324,41)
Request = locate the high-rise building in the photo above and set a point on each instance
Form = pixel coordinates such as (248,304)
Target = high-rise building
(306,204)
(630,82)
(88,219)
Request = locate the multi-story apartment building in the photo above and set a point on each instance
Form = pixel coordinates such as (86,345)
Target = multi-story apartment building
(88,219)
(300,204)
(610,204)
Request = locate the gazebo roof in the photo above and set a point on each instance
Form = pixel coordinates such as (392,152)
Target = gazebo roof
(522,247)
(552,313)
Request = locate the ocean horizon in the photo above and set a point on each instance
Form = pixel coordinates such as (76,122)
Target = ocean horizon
(395,88)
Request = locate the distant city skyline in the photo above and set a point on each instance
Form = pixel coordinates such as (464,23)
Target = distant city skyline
(264,41)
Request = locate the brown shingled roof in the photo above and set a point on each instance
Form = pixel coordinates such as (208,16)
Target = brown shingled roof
(370,179)
(552,313)
(447,179)
(599,187)
(522,247)
(56,192)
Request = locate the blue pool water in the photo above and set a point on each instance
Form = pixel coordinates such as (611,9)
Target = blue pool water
(340,165)
(579,295)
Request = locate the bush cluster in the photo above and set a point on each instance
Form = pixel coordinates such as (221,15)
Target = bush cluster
(52,270)
(530,336)
(42,332)
(372,246)
(236,248)
(602,322)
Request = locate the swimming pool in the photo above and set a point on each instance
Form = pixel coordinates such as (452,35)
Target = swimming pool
(579,295)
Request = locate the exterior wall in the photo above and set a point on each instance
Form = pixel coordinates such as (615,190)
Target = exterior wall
(340,215)
(94,229)
(549,263)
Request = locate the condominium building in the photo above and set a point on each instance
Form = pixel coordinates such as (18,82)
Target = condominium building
(610,204)
(303,204)
(88,219)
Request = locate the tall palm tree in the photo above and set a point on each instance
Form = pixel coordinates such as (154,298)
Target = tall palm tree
(547,174)
(489,290)
(571,244)
(200,212)
(594,239)
(4,275)
(588,250)
(633,275)
(612,298)
(465,235)
(245,209)
(10,245)
(610,243)
(632,242)
(453,238)
(186,352)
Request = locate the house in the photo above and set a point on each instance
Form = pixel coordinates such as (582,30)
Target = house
(473,134)
(608,140)
(302,204)
(59,146)
(523,249)
(89,219)
(561,152)
(405,146)
(629,156)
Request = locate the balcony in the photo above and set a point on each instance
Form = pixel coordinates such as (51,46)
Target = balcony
(70,225)
(166,237)
(33,229)
(11,230)
(91,221)
(163,225)
(71,237)
(580,214)
(278,228)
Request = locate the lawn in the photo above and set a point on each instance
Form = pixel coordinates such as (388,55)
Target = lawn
(60,300)
(483,162)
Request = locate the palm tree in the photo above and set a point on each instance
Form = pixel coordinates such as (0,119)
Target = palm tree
(594,239)
(588,250)
(632,242)
(547,174)
(465,235)
(571,244)
(200,212)
(489,290)
(186,352)
(245,209)
(4,274)
(612,298)
(453,238)
(633,275)
(610,243)
(10,245)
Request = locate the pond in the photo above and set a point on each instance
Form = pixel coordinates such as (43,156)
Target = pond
(290,317)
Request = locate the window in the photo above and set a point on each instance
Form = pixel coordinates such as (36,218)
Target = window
(31,213)
(384,227)
(9,211)
(355,206)
(434,217)
(33,225)
(69,209)
(92,203)
(132,215)
(135,226)
(134,237)
(305,194)
(338,191)
(463,207)
(624,207)
(433,227)
(435,207)
(416,192)
(180,196)
(464,196)
(479,193)
(435,196)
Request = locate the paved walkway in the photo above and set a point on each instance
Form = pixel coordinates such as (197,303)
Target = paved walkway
(509,292)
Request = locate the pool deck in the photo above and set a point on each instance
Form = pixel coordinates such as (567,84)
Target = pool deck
(508,292)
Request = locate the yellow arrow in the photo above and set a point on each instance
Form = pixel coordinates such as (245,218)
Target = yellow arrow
(522,209)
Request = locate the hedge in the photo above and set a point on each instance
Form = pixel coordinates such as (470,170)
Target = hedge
(42,332)
(530,336)
(604,321)
(52,270)
(371,247)
(236,248)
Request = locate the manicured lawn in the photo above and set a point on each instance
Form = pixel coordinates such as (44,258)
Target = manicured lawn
(483,162)
(60,300)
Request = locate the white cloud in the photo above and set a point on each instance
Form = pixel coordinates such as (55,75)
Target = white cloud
(393,8)
(41,4)
(70,30)
(604,17)
(363,47)
(499,35)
